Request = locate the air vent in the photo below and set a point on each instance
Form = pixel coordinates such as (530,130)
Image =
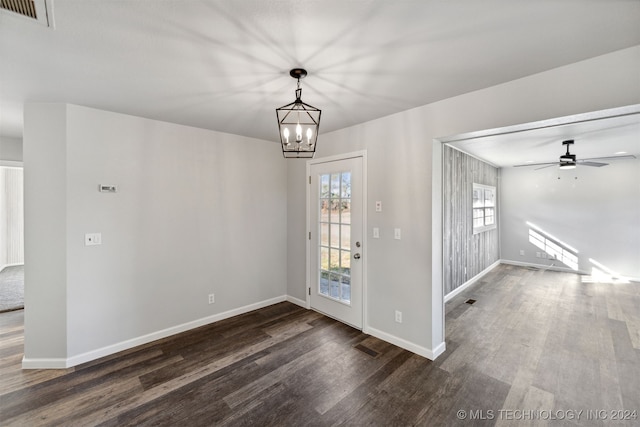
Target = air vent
(39,11)
(367,350)
(23,7)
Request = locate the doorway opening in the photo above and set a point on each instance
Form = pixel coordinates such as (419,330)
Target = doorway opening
(537,136)
(11,238)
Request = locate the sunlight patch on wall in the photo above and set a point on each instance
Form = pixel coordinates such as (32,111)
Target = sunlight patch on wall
(555,248)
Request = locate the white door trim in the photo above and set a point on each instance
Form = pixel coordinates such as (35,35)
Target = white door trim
(345,156)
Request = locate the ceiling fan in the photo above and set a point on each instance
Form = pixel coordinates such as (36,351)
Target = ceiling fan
(569,161)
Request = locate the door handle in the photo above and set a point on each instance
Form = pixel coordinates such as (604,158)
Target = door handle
(356,256)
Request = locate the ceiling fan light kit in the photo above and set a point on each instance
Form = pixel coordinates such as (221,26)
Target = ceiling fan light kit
(298,124)
(567,165)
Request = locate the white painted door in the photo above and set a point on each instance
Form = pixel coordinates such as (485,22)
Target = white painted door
(336,239)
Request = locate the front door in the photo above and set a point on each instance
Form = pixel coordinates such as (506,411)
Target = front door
(336,239)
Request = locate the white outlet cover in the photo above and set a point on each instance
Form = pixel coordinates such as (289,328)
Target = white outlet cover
(376,233)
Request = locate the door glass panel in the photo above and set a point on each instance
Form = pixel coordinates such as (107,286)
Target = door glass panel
(335,236)
(335,186)
(324,259)
(334,286)
(324,187)
(345,236)
(346,185)
(345,211)
(324,211)
(324,282)
(334,260)
(324,235)
(345,262)
(345,288)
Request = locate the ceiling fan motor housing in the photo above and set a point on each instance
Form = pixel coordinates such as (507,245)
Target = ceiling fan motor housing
(568,157)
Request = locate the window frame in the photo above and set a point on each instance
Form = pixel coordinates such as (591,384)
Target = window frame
(485,208)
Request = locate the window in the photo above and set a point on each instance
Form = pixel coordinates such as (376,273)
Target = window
(484,208)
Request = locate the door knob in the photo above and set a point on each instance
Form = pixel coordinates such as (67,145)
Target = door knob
(356,256)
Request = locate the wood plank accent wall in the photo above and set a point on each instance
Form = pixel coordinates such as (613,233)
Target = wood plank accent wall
(465,254)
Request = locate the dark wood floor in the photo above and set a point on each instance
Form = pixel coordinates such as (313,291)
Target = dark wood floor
(542,343)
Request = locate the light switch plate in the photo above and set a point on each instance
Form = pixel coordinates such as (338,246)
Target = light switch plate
(376,233)
(397,234)
(92,239)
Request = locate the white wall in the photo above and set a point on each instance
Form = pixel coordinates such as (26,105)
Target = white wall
(196,212)
(10,149)
(404,168)
(598,213)
(45,232)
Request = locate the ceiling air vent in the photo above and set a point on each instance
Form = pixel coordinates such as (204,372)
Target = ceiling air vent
(40,11)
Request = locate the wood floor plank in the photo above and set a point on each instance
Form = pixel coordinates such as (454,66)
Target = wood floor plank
(533,340)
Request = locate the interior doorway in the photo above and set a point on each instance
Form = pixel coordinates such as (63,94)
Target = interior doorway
(11,238)
(533,137)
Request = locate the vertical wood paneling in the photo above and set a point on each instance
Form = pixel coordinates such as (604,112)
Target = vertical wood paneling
(13,189)
(466,254)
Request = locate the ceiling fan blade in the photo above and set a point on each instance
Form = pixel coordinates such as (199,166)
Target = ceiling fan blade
(547,166)
(587,163)
(622,157)
(536,164)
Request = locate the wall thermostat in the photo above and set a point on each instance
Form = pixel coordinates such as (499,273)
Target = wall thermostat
(108,188)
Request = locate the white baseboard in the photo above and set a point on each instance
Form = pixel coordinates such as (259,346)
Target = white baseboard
(28,363)
(61,363)
(10,265)
(470,282)
(297,301)
(52,363)
(542,266)
(407,345)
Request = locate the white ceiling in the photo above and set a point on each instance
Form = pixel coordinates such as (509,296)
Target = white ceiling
(617,135)
(223,65)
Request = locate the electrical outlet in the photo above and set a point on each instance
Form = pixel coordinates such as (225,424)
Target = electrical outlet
(521,252)
(212,298)
(378,206)
(537,254)
(398,316)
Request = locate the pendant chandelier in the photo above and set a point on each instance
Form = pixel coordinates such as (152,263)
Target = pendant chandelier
(298,124)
